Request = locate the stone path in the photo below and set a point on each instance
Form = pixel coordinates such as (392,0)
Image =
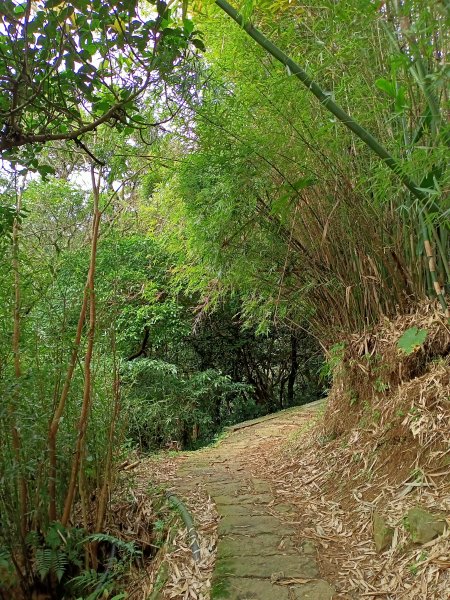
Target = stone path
(258,557)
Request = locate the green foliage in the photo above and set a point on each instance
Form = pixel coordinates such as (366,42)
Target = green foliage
(333,361)
(311,250)
(61,552)
(379,385)
(82,64)
(51,275)
(411,340)
(58,551)
(127,550)
(353,397)
(8,577)
(395,92)
(164,404)
(96,584)
(7,216)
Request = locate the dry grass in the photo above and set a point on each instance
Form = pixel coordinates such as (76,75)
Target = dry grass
(173,566)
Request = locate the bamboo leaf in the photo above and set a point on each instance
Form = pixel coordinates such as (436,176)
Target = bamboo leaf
(386,86)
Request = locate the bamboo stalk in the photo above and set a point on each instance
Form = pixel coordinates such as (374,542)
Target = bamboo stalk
(87,392)
(439,290)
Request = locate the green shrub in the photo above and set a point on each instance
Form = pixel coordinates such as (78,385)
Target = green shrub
(165,404)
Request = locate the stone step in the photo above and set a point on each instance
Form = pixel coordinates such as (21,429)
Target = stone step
(247,588)
(253,525)
(286,566)
(264,544)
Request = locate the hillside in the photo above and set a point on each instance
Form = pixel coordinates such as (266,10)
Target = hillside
(356,490)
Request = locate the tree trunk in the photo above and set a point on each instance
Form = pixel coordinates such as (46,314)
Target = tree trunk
(54,425)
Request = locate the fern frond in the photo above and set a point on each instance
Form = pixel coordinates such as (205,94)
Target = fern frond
(127,547)
(87,580)
(60,563)
(33,539)
(44,561)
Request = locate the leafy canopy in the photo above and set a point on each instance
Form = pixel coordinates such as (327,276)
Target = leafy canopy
(67,67)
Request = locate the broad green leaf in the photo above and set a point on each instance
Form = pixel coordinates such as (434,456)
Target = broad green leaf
(188,26)
(199,44)
(45,170)
(412,340)
(400,100)
(386,86)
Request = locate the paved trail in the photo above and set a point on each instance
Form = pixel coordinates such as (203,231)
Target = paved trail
(259,556)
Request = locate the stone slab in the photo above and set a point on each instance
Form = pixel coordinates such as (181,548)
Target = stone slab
(283,508)
(264,544)
(294,565)
(222,499)
(253,525)
(247,588)
(314,590)
(229,488)
(262,487)
(234,588)
(242,510)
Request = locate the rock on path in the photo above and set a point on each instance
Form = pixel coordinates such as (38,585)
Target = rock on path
(257,556)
